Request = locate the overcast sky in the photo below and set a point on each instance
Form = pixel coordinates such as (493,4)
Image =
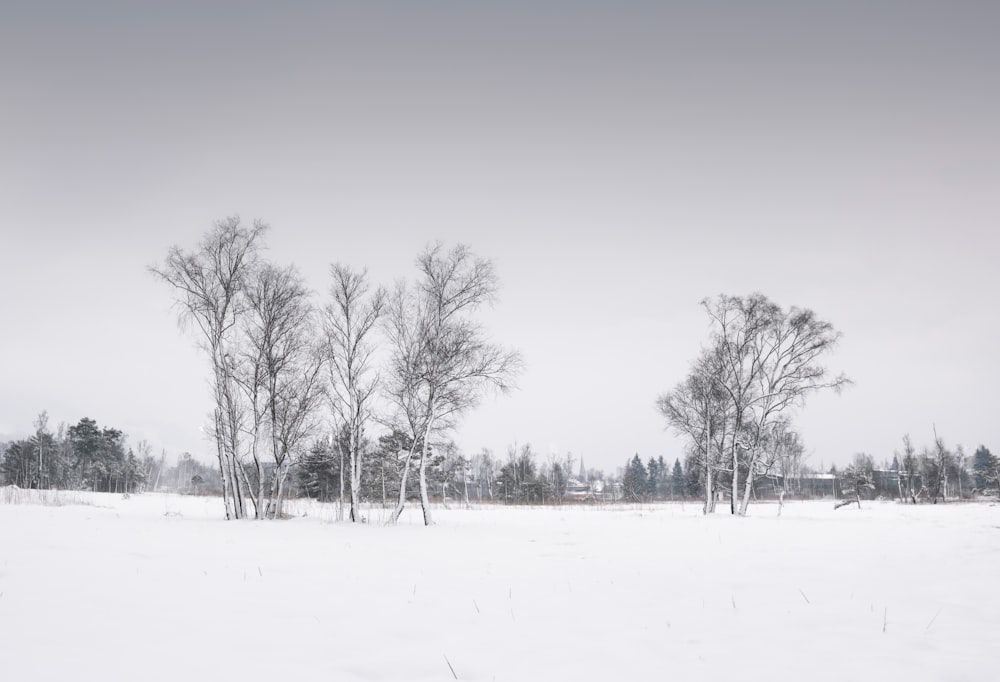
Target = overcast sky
(619,161)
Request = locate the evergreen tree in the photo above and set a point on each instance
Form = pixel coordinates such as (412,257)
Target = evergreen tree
(677,480)
(635,480)
(694,483)
(18,466)
(985,468)
(318,473)
(518,479)
(653,479)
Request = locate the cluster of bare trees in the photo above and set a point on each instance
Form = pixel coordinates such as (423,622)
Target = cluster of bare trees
(734,407)
(284,369)
(937,472)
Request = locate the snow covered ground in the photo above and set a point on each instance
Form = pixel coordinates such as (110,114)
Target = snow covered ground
(157,587)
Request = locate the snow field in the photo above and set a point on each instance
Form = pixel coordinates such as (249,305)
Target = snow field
(157,587)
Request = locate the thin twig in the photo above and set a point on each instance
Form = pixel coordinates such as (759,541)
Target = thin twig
(933,619)
(449,666)
(804,596)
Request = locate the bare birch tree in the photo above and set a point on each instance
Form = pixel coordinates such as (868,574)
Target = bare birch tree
(441,359)
(349,321)
(697,408)
(771,363)
(942,462)
(908,468)
(278,372)
(741,324)
(209,287)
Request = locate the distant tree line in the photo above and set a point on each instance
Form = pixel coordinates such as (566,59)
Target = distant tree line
(452,477)
(655,480)
(86,456)
(936,473)
(80,457)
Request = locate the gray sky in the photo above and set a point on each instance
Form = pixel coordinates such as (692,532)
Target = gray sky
(619,161)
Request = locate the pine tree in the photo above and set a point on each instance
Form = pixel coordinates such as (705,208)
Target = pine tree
(985,468)
(635,480)
(694,478)
(318,472)
(652,479)
(677,480)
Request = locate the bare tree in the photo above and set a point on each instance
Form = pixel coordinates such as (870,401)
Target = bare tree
(857,478)
(697,408)
(782,455)
(958,462)
(789,453)
(771,363)
(441,359)
(908,464)
(296,398)
(278,373)
(39,440)
(942,462)
(349,321)
(485,469)
(209,286)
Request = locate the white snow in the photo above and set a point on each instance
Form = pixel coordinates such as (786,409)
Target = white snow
(158,587)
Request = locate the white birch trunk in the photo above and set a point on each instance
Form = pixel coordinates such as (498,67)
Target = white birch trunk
(425,503)
(340,499)
(355,464)
(747,489)
(736,477)
(709,507)
(227,485)
(402,487)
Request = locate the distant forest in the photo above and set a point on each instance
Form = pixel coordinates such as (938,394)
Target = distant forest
(86,456)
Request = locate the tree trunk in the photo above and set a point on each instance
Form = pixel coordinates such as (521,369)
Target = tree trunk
(241,474)
(425,503)
(709,507)
(340,499)
(231,448)
(355,464)
(227,485)
(402,487)
(280,497)
(260,503)
(747,489)
(736,477)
